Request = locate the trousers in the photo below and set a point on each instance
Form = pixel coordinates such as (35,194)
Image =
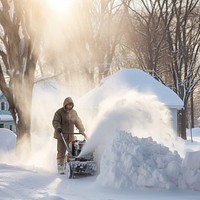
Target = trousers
(61,150)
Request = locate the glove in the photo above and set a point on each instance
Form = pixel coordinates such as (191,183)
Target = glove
(59,130)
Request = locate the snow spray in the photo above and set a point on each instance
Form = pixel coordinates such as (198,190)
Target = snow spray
(142,115)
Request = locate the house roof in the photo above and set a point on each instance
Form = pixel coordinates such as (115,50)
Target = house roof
(6,117)
(128,79)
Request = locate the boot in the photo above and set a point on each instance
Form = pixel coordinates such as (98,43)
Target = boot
(61,166)
(61,169)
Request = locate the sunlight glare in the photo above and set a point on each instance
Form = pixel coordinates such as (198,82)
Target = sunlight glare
(59,5)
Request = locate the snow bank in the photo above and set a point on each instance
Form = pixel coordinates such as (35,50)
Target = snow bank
(191,171)
(8,140)
(130,162)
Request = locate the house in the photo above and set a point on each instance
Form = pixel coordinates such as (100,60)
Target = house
(134,79)
(6,120)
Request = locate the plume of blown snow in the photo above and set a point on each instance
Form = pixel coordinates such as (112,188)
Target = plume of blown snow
(142,115)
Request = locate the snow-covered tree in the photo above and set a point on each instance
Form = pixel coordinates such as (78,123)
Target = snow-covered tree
(18,58)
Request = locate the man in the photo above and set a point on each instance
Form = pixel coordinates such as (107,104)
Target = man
(64,121)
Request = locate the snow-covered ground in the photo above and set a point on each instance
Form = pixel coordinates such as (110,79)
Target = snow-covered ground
(138,154)
(124,174)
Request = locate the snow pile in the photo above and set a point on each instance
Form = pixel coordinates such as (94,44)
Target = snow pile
(191,171)
(130,162)
(41,158)
(8,140)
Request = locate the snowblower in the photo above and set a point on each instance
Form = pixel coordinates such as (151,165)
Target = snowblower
(74,164)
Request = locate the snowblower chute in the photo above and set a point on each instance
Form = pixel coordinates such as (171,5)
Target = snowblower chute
(75,164)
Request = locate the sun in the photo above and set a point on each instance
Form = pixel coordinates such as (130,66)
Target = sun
(59,5)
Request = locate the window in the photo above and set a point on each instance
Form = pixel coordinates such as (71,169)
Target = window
(2,105)
(1,126)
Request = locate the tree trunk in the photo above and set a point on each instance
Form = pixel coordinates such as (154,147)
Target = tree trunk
(192,110)
(183,122)
(23,125)
(20,106)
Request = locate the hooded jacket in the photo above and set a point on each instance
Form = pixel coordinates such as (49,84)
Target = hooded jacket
(66,120)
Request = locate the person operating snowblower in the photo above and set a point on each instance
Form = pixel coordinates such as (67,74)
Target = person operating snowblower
(64,121)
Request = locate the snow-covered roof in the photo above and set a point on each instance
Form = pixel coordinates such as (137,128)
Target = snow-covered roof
(128,79)
(6,118)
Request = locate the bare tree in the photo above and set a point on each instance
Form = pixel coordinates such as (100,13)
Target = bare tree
(91,34)
(182,28)
(17,64)
(166,40)
(145,36)
(91,40)
(108,18)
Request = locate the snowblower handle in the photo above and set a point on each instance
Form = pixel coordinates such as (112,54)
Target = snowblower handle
(67,147)
(70,133)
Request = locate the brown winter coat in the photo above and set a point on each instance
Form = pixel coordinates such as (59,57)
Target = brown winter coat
(66,120)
